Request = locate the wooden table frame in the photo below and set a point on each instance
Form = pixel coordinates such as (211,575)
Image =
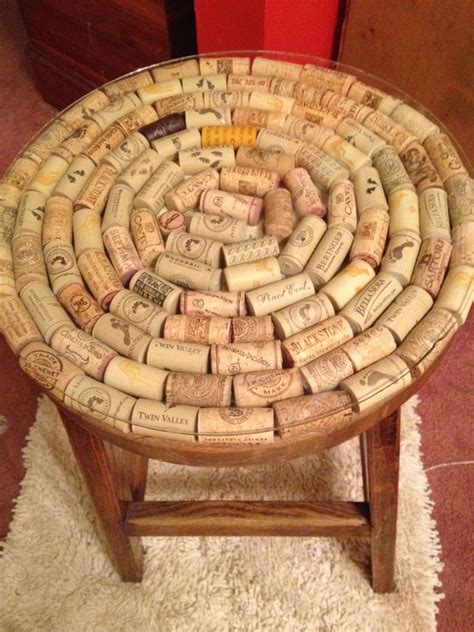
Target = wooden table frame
(114,465)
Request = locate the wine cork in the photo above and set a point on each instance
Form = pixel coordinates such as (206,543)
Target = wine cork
(48,139)
(151,195)
(171,221)
(272,140)
(222,228)
(192,161)
(463,240)
(7,275)
(368,190)
(122,253)
(193,389)
(104,403)
(118,87)
(339,106)
(306,131)
(257,231)
(406,311)
(373,97)
(315,341)
(313,414)
(444,155)
(157,290)
(234,135)
(329,255)
(242,357)
(178,356)
(175,70)
(139,311)
(100,276)
(188,273)
(201,329)
(146,236)
(159,90)
(414,121)
(48,175)
(395,134)
(121,105)
(365,308)
(155,419)
(118,207)
(249,181)
(227,65)
(135,119)
(303,93)
(360,136)
(258,118)
(20,173)
(377,382)
(195,247)
(270,159)
(134,378)
(434,216)
(420,168)
(80,305)
(460,192)
(203,83)
(431,264)
(223,99)
(233,425)
(252,329)
(404,212)
(348,282)
(279,220)
(278,295)
(89,354)
(391,171)
(140,170)
(242,207)
(87,231)
(225,304)
(28,260)
(326,372)
(7,222)
(94,193)
(424,338)
(342,207)
(457,292)
(168,147)
(73,116)
(126,339)
(301,245)
(49,369)
(305,194)
(61,264)
(250,250)
(273,102)
(370,235)
(171,124)
(400,257)
(270,67)
(30,214)
(248,83)
(301,315)
(17,325)
(263,388)
(369,347)
(251,275)
(346,154)
(207,116)
(323,169)
(109,139)
(84,135)
(125,153)
(186,195)
(57,222)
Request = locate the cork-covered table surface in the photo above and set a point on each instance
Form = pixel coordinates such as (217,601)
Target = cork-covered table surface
(235,251)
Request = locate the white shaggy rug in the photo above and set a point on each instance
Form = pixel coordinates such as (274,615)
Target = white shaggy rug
(56,577)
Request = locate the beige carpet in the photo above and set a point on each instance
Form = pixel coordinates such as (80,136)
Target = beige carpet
(56,577)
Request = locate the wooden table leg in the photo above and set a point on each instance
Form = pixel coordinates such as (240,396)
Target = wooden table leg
(383,453)
(91,454)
